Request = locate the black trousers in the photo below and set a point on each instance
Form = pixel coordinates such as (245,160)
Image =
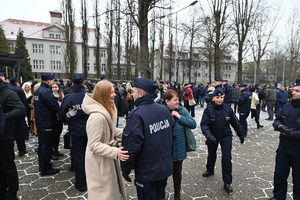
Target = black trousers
(45,148)
(9,181)
(226,147)
(150,191)
(78,150)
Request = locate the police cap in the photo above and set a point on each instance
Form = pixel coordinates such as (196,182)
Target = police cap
(77,79)
(145,84)
(13,79)
(46,77)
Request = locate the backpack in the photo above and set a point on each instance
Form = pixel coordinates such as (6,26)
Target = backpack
(122,105)
(2,121)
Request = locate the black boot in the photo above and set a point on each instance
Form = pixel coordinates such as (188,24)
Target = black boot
(207,174)
(228,188)
(259,126)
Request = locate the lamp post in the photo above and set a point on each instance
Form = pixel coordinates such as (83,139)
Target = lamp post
(283,71)
(176,29)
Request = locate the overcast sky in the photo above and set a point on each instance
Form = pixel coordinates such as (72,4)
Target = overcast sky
(38,10)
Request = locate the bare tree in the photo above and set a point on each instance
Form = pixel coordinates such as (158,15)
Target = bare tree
(70,53)
(84,36)
(144,6)
(260,39)
(293,46)
(96,52)
(244,12)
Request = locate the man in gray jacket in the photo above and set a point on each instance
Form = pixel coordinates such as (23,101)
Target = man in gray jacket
(270,99)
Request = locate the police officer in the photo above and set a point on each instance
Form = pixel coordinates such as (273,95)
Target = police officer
(21,127)
(215,125)
(227,91)
(288,151)
(45,110)
(13,109)
(70,111)
(244,106)
(148,138)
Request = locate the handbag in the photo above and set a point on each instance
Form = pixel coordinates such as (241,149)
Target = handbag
(192,102)
(67,141)
(190,140)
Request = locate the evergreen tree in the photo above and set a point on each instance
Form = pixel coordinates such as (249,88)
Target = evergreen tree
(25,66)
(4,46)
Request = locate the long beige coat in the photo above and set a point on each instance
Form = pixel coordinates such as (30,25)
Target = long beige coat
(104,179)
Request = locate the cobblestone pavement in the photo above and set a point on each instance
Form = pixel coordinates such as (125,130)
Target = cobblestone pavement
(253,168)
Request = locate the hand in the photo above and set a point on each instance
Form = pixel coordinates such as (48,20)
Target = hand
(283,128)
(122,155)
(290,134)
(242,140)
(125,175)
(175,114)
(213,139)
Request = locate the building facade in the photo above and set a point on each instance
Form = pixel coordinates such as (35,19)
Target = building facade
(46,45)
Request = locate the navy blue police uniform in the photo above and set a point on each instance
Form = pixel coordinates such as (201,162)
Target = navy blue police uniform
(77,128)
(228,92)
(45,110)
(215,125)
(148,138)
(20,128)
(244,107)
(288,151)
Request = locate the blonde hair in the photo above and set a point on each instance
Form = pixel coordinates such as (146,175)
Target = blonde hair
(102,93)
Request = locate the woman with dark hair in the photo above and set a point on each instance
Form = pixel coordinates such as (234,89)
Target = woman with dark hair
(178,89)
(183,119)
(103,174)
(59,96)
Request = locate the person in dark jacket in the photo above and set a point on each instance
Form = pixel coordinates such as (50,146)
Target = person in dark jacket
(70,111)
(282,98)
(244,106)
(227,91)
(261,96)
(148,138)
(21,129)
(201,93)
(236,93)
(288,151)
(215,125)
(13,109)
(270,100)
(45,111)
(182,119)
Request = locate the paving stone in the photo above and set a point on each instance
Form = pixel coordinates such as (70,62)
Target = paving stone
(253,169)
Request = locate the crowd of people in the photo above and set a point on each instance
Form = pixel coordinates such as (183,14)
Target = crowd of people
(154,140)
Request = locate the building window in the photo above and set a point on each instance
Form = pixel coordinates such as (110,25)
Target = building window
(41,48)
(103,68)
(58,64)
(57,49)
(11,47)
(52,63)
(94,52)
(52,49)
(88,52)
(103,53)
(229,67)
(41,62)
(88,66)
(115,70)
(57,36)
(34,48)
(94,67)
(51,35)
(35,64)
(122,71)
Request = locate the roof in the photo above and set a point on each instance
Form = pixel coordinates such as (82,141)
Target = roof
(34,30)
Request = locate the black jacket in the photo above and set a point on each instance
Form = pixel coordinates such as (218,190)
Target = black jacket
(13,109)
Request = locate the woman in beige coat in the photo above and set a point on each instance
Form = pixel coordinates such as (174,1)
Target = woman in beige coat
(104,178)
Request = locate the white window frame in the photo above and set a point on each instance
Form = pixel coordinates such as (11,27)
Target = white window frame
(34,48)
